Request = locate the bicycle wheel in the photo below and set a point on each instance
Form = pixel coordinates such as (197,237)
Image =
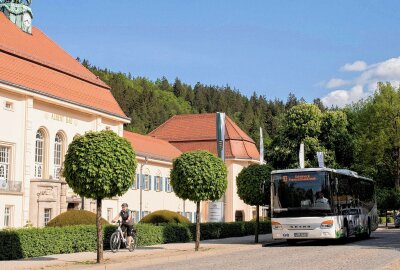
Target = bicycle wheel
(115,242)
(134,242)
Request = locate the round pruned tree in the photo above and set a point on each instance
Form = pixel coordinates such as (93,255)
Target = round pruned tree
(199,176)
(100,165)
(253,187)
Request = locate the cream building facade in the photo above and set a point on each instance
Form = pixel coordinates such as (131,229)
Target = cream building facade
(38,123)
(47,98)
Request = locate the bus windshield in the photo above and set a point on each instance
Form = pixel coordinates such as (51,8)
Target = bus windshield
(299,194)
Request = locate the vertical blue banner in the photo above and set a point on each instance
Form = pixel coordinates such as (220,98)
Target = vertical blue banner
(221,135)
(216,208)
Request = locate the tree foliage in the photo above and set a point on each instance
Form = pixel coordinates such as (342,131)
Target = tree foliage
(199,176)
(363,137)
(388,199)
(251,182)
(100,165)
(377,135)
(326,132)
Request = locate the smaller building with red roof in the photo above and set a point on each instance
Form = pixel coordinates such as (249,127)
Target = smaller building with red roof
(190,132)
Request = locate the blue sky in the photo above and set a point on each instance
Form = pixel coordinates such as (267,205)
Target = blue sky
(335,50)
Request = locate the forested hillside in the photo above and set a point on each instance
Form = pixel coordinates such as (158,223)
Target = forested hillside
(363,136)
(149,103)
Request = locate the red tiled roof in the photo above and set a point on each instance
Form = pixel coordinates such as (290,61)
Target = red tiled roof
(37,63)
(152,147)
(198,132)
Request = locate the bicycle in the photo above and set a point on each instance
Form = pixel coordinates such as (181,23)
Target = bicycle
(120,236)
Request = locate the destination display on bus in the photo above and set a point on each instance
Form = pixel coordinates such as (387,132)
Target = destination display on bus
(299,177)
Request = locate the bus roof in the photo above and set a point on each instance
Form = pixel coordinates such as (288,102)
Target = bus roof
(339,171)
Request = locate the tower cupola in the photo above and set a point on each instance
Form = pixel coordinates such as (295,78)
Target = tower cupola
(19,12)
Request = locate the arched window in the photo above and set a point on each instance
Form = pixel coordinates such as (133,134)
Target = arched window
(58,154)
(39,154)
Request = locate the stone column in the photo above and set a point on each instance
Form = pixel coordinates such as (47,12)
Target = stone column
(63,197)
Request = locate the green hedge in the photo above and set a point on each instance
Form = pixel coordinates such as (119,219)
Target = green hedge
(230,229)
(75,217)
(34,242)
(164,216)
(382,220)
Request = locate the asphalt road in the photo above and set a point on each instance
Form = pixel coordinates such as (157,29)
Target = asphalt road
(381,251)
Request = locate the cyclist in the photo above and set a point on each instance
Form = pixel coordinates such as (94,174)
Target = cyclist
(126,222)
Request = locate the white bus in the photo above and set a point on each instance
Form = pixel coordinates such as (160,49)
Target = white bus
(321,203)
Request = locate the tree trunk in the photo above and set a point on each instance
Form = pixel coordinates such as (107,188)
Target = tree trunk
(386,218)
(83,203)
(99,233)
(397,179)
(257,224)
(197,245)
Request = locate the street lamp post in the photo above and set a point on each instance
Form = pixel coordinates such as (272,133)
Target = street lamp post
(141,187)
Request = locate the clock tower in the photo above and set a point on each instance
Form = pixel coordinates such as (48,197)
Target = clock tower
(19,12)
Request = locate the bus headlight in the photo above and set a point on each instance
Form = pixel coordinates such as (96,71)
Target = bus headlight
(327,224)
(276,225)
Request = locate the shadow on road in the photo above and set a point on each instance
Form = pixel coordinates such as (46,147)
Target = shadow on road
(149,248)
(385,239)
(40,259)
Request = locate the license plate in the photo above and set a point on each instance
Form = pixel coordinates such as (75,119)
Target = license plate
(300,234)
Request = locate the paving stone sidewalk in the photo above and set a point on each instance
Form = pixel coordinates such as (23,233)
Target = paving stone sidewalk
(142,256)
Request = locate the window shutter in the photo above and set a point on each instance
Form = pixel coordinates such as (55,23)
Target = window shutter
(143,181)
(161,184)
(149,182)
(166,184)
(155,183)
(137,181)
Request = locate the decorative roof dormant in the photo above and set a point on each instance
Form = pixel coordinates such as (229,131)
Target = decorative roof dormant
(24,2)
(19,12)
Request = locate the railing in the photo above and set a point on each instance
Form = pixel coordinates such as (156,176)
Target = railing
(11,186)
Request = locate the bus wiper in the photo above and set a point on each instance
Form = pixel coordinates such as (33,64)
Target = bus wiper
(318,211)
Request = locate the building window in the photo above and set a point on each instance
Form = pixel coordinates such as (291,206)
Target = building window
(8,214)
(8,105)
(158,183)
(47,215)
(109,214)
(136,182)
(168,187)
(58,151)
(239,216)
(39,154)
(147,182)
(4,165)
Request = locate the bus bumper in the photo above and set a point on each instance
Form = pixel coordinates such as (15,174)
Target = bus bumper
(316,233)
